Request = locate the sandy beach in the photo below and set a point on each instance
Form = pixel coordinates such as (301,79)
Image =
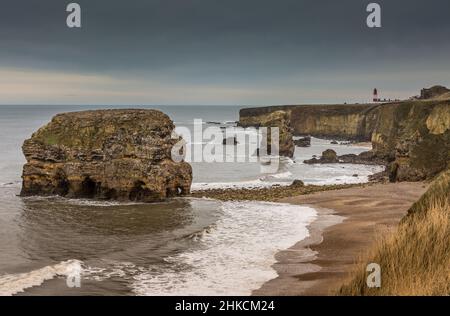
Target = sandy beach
(349,221)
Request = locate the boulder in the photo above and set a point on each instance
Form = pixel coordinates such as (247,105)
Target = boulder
(303,142)
(365,158)
(298,183)
(328,156)
(105,154)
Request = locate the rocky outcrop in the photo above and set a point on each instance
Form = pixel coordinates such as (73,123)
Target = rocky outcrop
(280,119)
(303,142)
(328,156)
(414,137)
(433,92)
(105,154)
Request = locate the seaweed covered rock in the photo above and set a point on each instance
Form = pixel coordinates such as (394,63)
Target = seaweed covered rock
(105,154)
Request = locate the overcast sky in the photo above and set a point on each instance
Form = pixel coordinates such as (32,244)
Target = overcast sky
(249,52)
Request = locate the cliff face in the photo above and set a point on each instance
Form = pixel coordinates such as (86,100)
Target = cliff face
(413,136)
(106,154)
(328,121)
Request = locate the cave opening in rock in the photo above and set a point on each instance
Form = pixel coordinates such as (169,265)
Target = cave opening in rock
(139,192)
(88,188)
(62,184)
(62,188)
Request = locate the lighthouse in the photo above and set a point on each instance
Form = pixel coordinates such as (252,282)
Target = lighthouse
(375,95)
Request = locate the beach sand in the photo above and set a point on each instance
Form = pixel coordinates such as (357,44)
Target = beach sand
(349,222)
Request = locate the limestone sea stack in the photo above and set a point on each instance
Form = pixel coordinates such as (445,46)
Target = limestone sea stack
(105,154)
(280,120)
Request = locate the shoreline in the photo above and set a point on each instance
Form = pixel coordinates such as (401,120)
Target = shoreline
(349,220)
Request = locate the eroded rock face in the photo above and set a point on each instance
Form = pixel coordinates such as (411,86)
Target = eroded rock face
(105,154)
(415,138)
(339,122)
(433,92)
(281,120)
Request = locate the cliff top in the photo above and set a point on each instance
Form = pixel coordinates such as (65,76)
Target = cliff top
(89,129)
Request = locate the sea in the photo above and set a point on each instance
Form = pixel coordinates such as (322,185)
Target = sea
(183,246)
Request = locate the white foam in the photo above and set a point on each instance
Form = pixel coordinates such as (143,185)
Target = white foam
(79,202)
(10,184)
(235,256)
(11,284)
(282,175)
(329,174)
(252,184)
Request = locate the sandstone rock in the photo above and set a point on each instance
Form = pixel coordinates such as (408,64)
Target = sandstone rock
(365,158)
(105,154)
(414,137)
(303,142)
(298,183)
(433,92)
(281,120)
(328,156)
(339,122)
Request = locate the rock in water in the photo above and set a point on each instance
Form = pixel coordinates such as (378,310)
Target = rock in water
(303,142)
(105,154)
(328,156)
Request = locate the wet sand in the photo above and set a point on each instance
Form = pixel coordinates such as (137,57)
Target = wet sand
(349,221)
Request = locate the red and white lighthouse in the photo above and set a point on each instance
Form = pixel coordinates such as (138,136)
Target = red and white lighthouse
(375,95)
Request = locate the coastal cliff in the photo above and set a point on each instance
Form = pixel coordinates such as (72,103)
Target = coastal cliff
(105,154)
(412,137)
(349,122)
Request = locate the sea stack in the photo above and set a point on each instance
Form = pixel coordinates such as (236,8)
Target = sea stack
(105,154)
(279,119)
